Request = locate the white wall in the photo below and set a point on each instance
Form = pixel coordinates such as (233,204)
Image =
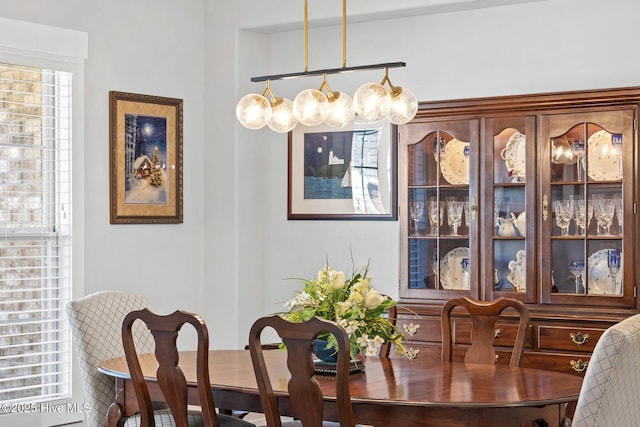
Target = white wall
(230,258)
(151,47)
(545,46)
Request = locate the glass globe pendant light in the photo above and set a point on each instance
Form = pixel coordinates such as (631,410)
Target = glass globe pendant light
(404,104)
(282,118)
(341,111)
(372,101)
(310,107)
(253,111)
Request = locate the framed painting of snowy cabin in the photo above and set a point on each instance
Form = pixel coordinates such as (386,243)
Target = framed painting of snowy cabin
(146,159)
(344,174)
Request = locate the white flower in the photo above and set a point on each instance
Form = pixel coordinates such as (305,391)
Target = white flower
(336,278)
(300,300)
(373,299)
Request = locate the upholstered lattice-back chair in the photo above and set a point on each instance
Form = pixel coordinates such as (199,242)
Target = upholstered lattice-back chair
(96,324)
(609,393)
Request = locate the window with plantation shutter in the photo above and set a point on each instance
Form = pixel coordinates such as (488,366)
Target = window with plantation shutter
(35,227)
(41,220)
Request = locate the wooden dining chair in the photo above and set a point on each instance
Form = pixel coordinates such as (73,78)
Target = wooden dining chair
(304,392)
(484,315)
(171,379)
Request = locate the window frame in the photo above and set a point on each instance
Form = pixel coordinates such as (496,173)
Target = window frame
(42,46)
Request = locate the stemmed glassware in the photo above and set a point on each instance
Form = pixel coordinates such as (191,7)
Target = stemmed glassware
(576,267)
(454,214)
(613,262)
(603,210)
(617,201)
(589,213)
(433,212)
(564,213)
(416,211)
(579,212)
(577,148)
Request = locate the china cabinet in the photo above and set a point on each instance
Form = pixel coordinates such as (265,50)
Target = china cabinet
(530,197)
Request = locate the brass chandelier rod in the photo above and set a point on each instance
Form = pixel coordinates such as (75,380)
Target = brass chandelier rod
(343,69)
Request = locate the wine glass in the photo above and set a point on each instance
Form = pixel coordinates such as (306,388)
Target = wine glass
(564,212)
(576,267)
(416,210)
(432,211)
(454,215)
(603,210)
(577,149)
(613,262)
(579,212)
(617,201)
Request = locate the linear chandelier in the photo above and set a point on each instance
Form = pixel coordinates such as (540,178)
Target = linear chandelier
(311,107)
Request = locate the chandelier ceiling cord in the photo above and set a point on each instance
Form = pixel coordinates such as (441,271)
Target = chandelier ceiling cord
(311,107)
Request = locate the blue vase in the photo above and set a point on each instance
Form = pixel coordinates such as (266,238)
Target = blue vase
(325,354)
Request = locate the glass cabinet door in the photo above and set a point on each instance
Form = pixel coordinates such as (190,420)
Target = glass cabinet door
(509,208)
(437,193)
(586,200)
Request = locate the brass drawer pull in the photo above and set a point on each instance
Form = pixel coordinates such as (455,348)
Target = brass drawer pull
(410,328)
(497,333)
(579,366)
(579,338)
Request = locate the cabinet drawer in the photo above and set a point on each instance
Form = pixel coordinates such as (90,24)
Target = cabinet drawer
(574,339)
(575,364)
(506,333)
(429,328)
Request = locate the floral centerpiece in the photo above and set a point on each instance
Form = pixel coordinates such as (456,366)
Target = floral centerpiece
(355,305)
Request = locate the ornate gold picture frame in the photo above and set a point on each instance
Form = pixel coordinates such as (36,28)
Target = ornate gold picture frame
(145,165)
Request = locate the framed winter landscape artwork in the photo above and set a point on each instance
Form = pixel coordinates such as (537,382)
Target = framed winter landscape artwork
(145,135)
(347,173)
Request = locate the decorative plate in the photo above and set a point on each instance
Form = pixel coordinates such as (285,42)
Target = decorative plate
(603,162)
(518,271)
(455,163)
(599,275)
(452,276)
(514,156)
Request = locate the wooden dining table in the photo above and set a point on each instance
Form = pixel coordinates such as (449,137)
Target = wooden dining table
(388,392)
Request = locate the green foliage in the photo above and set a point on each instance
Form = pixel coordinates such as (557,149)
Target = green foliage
(352,303)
